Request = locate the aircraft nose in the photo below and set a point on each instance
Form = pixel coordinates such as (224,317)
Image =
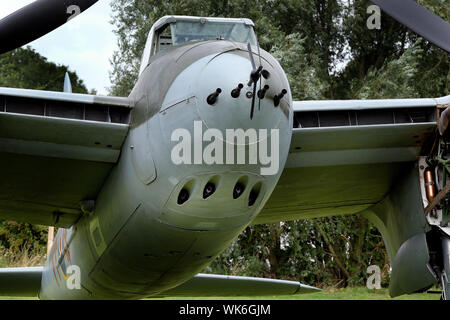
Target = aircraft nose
(225,96)
(221,178)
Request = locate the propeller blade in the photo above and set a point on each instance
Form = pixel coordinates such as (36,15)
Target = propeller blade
(255,75)
(419,19)
(37,19)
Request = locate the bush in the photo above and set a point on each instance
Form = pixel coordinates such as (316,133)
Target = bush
(22,244)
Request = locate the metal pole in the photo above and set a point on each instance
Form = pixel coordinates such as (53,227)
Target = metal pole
(445,277)
(51,234)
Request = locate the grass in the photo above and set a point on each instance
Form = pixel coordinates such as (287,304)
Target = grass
(24,258)
(357,293)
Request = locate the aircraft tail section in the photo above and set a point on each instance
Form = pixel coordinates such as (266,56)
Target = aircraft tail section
(67,84)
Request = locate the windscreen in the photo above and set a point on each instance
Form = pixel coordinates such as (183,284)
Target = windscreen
(184,31)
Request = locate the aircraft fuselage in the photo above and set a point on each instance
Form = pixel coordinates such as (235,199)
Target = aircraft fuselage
(185,185)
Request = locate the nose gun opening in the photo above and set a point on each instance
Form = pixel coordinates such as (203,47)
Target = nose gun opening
(212,98)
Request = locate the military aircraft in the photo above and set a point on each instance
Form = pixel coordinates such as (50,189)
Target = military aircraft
(147,190)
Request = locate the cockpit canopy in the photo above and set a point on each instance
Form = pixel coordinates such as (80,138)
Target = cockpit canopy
(175,30)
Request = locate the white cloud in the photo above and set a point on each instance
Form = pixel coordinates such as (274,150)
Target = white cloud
(85,44)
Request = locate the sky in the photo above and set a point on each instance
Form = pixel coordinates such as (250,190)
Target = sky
(85,44)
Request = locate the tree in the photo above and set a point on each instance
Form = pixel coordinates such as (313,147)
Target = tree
(392,62)
(134,18)
(25,68)
(323,251)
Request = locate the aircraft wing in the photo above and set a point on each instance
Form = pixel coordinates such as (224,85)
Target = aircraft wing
(56,149)
(345,155)
(26,282)
(210,285)
(20,282)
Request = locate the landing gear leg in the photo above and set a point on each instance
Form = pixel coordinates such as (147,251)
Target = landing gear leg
(445,276)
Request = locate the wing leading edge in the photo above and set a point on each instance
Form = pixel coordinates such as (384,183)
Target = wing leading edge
(26,282)
(56,149)
(210,285)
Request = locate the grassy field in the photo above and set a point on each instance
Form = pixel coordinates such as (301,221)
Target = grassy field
(358,293)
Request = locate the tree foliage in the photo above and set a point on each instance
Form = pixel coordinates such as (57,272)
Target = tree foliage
(17,237)
(274,22)
(324,251)
(27,69)
(326,41)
